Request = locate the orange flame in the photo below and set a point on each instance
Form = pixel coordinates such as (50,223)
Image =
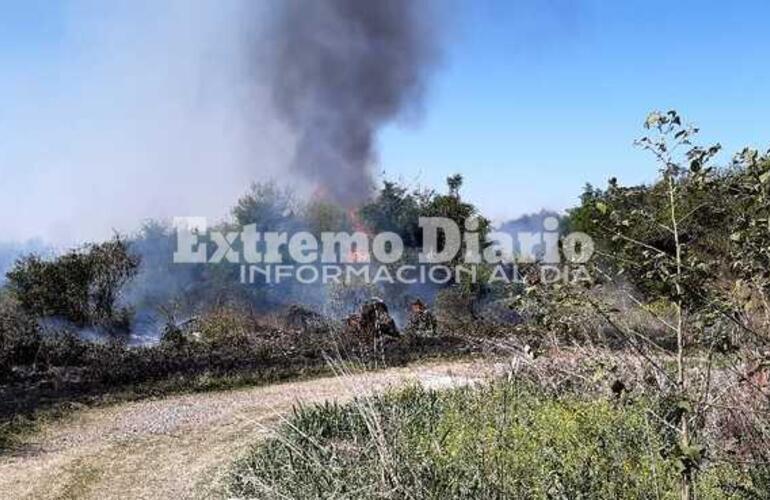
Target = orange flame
(358,255)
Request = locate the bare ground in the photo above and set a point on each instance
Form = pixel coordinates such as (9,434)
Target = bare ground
(180,446)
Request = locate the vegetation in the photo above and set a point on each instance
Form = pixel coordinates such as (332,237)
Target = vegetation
(397,210)
(675,250)
(506,440)
(59,366)
(19,337)
(678,294)
(81,286)
(215,327)
(716,219)
(680,284)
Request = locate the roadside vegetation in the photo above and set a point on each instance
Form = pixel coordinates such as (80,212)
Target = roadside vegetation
(650,379)
(66,322)
(658,384)
(504,440)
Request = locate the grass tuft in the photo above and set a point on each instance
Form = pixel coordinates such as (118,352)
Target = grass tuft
(504,440)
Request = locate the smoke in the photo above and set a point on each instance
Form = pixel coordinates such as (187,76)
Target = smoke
(116,112)
(340,70)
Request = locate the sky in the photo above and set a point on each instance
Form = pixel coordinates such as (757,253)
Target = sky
(536,98)
(114,111)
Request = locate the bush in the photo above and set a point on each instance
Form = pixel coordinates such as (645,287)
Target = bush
(224,327)
(80,286)
(722,229)
(62,348)
(454,310)
(501,441)
(19,337)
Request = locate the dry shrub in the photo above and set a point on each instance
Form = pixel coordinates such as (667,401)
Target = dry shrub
(226,326)
(453,310)
(19,337)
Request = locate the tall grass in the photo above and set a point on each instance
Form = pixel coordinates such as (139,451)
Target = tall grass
(504,440)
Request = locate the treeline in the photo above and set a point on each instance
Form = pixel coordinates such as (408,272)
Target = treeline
(51,308)
(699,235)
(103,285)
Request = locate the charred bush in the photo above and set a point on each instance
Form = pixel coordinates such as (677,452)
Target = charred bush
(19,338)
(421,320)
(173,336)
(62,348)
(303,319)
(373,321)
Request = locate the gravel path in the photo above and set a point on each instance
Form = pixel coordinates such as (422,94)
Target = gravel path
(180,446)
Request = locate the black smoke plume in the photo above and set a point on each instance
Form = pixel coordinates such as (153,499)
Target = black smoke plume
(341,70)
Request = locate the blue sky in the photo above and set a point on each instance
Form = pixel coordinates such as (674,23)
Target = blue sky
(532,100)
(538,97)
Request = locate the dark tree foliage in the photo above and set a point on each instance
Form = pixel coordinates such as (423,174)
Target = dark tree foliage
(81,286)
(396,210)
(452,206)
(266,205)
(322,216)
(19,336)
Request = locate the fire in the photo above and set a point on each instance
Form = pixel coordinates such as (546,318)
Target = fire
(359,255)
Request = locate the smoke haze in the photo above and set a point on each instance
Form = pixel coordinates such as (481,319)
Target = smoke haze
(133,110)
(124,111)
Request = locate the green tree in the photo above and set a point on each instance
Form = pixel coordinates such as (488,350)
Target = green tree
(81,286)
(321,216)
(396,210)
(267,205)
(464,214)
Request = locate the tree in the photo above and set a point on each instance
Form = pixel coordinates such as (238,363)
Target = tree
(81,286)
(266,205)
(452,206)
(321,216)
(454,182)
(396,210)
(686,241)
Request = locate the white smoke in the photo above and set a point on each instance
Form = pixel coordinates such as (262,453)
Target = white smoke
(137,110)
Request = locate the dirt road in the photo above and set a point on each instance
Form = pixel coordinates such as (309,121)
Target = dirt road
(180,446)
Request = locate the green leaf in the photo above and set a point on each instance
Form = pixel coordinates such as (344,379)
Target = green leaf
(602,207)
